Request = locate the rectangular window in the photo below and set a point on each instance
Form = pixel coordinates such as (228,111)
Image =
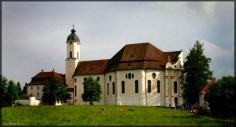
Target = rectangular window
(113,87)
(158,86)
(70,54)
(38,94)
(31,87)
(123,87)
(75,90)
(136,86)
(38,87)
(107,89)
(149,86)
(175,86)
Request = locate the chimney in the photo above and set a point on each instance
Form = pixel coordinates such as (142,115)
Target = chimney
(41,70)
(53,70)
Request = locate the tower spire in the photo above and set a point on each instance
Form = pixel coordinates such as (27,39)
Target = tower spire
(73,29)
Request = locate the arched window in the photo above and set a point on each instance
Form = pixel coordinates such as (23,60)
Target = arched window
(113,87)
(107,88)
(98,78)
(132,75)
(110,77)
(123,86)
(75,80)
(75,91)
(175,86)
(149,86)
(158,86)
(136,86)
(70,54)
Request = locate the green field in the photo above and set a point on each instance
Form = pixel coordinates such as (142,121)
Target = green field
(103,115)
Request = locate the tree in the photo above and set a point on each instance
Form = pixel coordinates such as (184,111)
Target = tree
(19,90)
(3,88)
(196,72)
(92,91)
(221,98)
(54,90)
(12,93)
(24,89)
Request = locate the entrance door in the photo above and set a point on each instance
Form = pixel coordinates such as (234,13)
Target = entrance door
(176,101)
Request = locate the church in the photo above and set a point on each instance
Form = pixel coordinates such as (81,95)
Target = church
(138,74)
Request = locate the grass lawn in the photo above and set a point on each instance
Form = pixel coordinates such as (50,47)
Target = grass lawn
(103,115)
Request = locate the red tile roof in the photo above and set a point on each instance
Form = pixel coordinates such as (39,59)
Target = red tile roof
(131,56)
(41,77)
(91,67)
(209,84)
(141,56)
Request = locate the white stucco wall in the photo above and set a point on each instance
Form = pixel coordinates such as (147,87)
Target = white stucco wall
(32,101)
(130,97)
(35,90)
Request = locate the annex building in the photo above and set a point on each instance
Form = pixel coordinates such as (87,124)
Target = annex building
(138,74)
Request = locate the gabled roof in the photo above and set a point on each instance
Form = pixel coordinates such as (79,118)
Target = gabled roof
(210,83)
(93,67)
(41,77)
(141,56)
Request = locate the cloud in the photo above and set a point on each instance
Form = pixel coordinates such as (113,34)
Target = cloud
(214,51)
(222,60)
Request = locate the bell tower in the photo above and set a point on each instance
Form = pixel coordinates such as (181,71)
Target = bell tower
(72,57)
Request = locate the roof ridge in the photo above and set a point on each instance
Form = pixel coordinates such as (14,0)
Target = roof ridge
(93,60)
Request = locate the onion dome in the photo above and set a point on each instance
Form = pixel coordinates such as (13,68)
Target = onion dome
(73,37)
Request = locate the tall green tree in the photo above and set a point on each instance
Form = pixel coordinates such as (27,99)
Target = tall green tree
(24,89)
(92,91)
(221,98)
(196,72)
(3,89)
(19,90)
(12,93)
(54,90)
(3,86)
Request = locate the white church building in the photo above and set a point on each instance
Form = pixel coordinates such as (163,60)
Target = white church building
(138,74)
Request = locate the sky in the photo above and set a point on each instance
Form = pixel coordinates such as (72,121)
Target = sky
(34,33)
